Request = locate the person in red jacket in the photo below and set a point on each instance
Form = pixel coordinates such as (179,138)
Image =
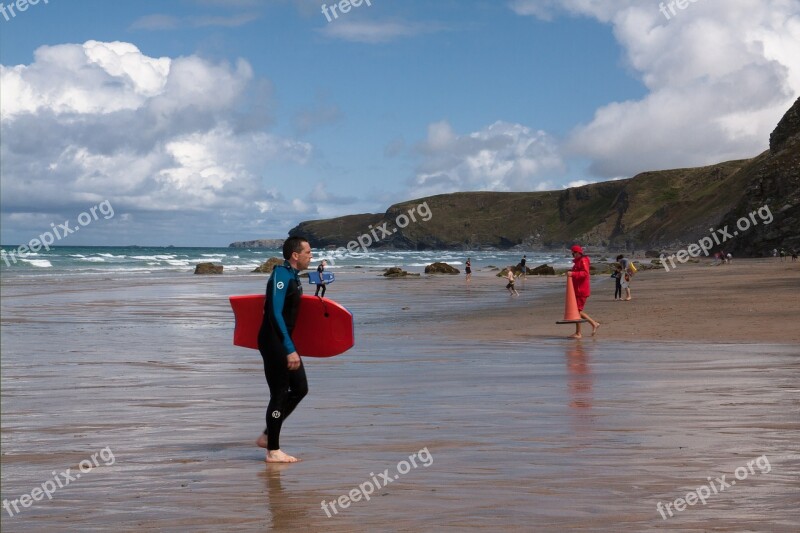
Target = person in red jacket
(581,283)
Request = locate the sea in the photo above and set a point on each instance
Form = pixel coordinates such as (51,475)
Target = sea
(143,260)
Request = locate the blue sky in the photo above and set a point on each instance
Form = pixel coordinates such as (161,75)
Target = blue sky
(203,121)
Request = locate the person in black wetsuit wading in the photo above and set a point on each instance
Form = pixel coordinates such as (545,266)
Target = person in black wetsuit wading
(283,367)
(321,284)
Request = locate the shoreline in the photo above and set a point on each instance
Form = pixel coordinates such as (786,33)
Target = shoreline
(748,300)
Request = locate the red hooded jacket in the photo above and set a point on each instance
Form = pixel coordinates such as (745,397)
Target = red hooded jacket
(580,276)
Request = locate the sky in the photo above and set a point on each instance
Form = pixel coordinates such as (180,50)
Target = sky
(203,122)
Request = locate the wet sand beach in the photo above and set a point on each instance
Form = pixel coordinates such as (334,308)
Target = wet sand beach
(525,429)
(748,300)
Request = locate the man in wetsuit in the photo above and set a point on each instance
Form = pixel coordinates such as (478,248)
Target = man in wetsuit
(283,367)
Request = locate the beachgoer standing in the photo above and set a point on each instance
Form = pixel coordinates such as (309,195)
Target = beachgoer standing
(581,281)
(283,367)
(524,270)
(468,269)
(627,274)
(321,284)
(617,275)
(510,286)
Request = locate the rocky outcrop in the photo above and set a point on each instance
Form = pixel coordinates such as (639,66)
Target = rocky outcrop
(542,270)
(269,265)
(441,268)
(274,244)
(208,268)
(787,128)
(396,272)
(772,194)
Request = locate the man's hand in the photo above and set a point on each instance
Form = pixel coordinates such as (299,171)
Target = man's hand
(293,361)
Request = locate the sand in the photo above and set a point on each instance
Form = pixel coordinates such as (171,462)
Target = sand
(527,430)
(748,300)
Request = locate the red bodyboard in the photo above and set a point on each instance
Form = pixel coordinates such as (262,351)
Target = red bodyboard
(323,327)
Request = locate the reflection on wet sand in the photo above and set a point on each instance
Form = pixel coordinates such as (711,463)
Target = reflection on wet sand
(283,514)
(579,383)
(546,436)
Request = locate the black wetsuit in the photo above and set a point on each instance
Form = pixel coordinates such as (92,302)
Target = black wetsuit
(286,387)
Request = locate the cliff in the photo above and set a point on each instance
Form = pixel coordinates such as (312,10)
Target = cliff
(259,243)
(666,209)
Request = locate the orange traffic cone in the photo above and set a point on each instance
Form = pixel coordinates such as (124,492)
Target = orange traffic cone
(571,313)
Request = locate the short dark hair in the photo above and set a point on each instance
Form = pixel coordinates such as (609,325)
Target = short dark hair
(620,256)
(291,245)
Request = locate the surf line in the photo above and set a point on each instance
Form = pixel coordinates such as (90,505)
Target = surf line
(365,240)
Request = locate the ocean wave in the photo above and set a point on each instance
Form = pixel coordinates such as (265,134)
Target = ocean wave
(251,266)
(113,256)
(178,262)
(213,255)
(41,263)
(153,257)
(94,259)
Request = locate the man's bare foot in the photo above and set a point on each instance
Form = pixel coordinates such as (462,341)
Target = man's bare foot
(595,328)
(576,336)
(627,299)
(261,441)
(277,456)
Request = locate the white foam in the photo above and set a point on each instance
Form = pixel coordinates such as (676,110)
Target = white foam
(41,263)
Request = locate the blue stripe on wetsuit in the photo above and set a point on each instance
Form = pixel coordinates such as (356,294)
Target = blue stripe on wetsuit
(284,275)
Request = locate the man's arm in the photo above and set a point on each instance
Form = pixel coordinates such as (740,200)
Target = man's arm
(280,286)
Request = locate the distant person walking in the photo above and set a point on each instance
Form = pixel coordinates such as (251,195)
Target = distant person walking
(321,285)
(581,281)
(523,268)
(468,269)
(510,286)
(617,275)
(783,254)
(794,256)
(627,274)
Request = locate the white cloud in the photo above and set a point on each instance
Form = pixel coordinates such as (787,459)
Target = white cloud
(577,183)
(719,79)
(373,32)
(161,138)
(500,157)
(320,195)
